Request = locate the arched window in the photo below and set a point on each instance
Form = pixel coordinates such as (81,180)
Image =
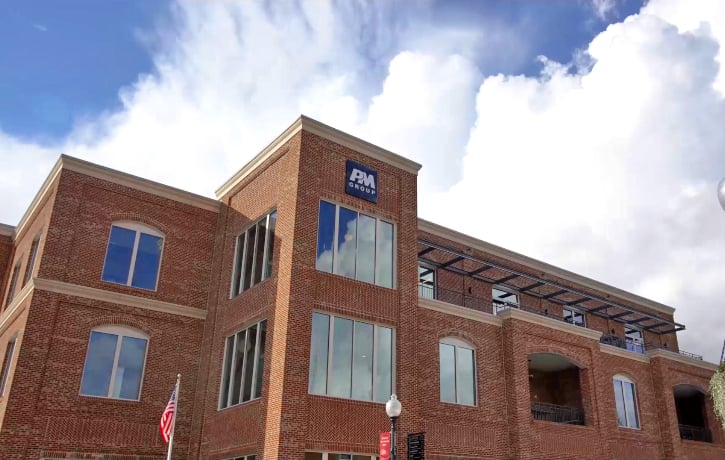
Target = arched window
(115,363)
(625,398)
(133,256)
(457,371)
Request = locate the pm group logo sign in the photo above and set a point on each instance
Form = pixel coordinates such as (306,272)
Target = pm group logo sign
(361,181)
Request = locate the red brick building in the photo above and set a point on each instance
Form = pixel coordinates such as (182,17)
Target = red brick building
(296,303)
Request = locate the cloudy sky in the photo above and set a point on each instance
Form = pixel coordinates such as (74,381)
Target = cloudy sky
(589,134)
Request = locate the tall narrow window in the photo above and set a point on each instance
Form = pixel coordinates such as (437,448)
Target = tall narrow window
(115,363)
(243,366)
(503,300)
(355,245)
(626,402)
(9,349)
(13,283)
(253,254)
(31,260)
(350,359)
(457,372)
(133,256)
(426,282)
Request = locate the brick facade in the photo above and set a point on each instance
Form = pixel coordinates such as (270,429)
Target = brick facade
(189,315)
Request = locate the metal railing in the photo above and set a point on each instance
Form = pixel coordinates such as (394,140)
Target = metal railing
(695,433)
(557,414)
(623,343)
(681,352)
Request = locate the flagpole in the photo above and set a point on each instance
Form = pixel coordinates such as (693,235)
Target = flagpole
(173,420)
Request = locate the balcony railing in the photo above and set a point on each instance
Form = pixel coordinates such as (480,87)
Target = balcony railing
(682,352)
(695,433)
(557,414)
(623,342)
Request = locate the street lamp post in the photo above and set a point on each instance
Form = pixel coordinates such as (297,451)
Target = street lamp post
(721,192)
(393,409)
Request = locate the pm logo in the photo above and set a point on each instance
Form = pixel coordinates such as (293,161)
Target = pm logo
(361,182)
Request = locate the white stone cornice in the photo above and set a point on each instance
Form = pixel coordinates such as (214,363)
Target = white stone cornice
(463,312)
(612,350)
(551,323)
(60,287)
(674,356)
(16,307)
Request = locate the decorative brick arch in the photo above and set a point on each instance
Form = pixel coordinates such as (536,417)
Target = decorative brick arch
(119,320)
(140,218)
(557,351)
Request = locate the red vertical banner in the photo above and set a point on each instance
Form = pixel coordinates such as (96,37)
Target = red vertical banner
(385,446)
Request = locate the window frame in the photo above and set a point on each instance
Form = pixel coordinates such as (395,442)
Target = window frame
(330,343)
(335,241)
(119,332)
(13,282)
(7,363)
(507,303)
(434,283)
(326,454)
(240,270)
(456,343)
(624,379)
(574,311)
(139,228)
(637,344)
(232,369)
(34,247)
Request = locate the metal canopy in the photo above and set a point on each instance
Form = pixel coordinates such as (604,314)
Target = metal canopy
(448,259)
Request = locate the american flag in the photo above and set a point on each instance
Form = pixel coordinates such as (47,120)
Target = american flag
(167,418)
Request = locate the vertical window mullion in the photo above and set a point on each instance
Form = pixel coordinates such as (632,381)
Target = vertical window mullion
(252,281)
(330,348)
(244,264)
(375,362)
(244,366)
(256,360)
(352,358)
(335,239)
(112,383)
(266,247)
(132,264)
(377,239)
(232,369)
(455,372)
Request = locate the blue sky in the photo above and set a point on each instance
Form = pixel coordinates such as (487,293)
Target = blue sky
(61,62)
(602,157)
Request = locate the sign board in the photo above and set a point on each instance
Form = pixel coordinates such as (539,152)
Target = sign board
(416,446)
(385,446)
(361,181)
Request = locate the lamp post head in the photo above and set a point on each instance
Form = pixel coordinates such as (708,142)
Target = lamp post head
(393,407)
(721,192)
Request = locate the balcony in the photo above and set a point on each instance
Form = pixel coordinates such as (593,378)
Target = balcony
(623,343)
(557,414)
(695,433)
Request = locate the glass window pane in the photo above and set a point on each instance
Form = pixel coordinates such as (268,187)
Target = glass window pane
(447,372)
(341,358)
(325,236)
(465,368)
(365,269)
(346,243)
(384,364)
(9,348)
(99,364)
(630,405)
(260,359)
(362,364)
(384,259)
(238,264)
(118,255)
(258,265)
(226,377)
(619,402)
(31,260)
(236,388)
(13,283)
(426,282)
(249,257)
(313,456)
(148,258)
(270,245)
(251,346)
(127,381)
(318,353)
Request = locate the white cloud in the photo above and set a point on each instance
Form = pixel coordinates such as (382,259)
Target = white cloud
(604,8)
(608,169)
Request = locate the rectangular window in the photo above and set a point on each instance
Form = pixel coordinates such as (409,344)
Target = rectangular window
(355,245)
(253,254)
(633,338)
(426,282)
(31,260)
(246,457)
(335,456)
(626,403)
(243,366)
(13,283)
(575,317)
(133,256)
(350,359)
(9,349)
(457,373)
(503,300)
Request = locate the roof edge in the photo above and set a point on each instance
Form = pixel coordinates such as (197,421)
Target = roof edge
(7,230)
(305,123)
(544,267)
(39,196)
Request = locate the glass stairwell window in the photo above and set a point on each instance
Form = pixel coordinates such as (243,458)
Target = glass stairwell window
(426,282)
(503,300)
